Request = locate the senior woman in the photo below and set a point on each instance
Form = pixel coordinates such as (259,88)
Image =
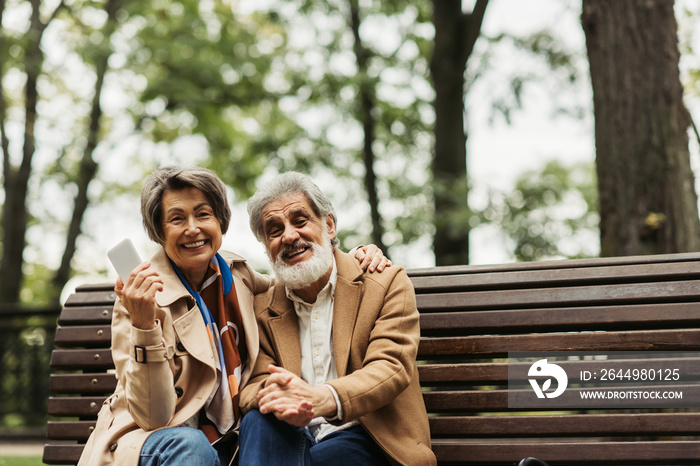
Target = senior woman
(184,334)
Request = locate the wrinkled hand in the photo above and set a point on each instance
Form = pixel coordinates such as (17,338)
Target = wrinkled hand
(292,400)
(138,295)
(372,258)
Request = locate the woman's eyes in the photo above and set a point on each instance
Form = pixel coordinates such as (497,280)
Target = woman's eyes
(181,218)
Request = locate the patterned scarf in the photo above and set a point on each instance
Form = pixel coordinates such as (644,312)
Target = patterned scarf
(225,329)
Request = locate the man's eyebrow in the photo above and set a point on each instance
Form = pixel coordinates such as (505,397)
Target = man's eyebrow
(292,213)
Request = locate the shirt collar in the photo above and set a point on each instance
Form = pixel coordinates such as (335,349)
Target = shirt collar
(329,289)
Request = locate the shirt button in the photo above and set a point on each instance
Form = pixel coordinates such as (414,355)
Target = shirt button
(317,352)
(316,316)
(113,447)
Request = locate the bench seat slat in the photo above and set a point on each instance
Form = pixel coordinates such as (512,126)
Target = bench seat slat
(628,317)
(75,406)
(498,399)
(97,297)
(62,453)
(84,335)
(86,315)
(590,425)
(69,430)
(86,359)
(661,260)
(608,295)
(497,373)
(560,454)
(535,279)
(500,345)
(82,383)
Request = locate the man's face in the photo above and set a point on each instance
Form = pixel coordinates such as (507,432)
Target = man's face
(290,227)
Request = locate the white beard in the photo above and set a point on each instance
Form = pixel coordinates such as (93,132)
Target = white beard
(308,272)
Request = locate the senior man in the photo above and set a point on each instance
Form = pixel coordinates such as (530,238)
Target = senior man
(336,380)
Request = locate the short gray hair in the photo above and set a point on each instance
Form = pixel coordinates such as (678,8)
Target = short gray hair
(283,185)
(174,179)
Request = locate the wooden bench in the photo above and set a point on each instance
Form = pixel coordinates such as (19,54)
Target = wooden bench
(471,318)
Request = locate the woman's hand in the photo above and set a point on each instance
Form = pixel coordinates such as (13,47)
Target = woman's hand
(138,295)
(371,258)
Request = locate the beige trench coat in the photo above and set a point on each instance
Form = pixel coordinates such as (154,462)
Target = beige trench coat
(180,371)
(375,342)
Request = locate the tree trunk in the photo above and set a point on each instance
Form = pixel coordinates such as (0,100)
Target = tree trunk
(88,166)
(648,202)
(366,96)
(14,213)
(455,34)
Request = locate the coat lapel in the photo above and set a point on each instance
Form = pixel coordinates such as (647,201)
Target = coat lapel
(252,340)
(284,331)
(346,307)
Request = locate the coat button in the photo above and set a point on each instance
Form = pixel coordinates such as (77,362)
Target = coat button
(179,392)
(180,346)
(113,447)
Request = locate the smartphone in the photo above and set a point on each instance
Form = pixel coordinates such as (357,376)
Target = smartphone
(125,258)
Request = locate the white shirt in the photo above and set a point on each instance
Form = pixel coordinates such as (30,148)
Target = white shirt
(317,356)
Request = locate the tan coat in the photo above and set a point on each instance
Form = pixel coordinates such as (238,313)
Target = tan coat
(375,342)
(180,372)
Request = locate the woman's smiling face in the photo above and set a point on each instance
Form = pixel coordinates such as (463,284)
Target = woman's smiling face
(192,232)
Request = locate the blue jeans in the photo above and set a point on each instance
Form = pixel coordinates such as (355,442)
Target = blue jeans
(181,446)
(264,441)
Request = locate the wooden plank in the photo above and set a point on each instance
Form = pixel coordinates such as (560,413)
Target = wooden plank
(75,406)
(95,298)
(85,359)
(69,430)
(84,335)
(500,345)
(556,264)
(85,315)
(561,454)
(636,316)
(82,383)
(471,401)
(106,286)
(62,453)
(497,372)
(535,279)
(590,425)
(605,295)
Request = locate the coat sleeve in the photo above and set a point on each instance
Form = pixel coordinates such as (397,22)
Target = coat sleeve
(389,361)
(150,397)
(256,282)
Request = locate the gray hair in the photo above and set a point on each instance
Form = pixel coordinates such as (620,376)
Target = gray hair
(174,179)
(283,185)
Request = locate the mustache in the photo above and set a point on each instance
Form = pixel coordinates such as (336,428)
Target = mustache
(289,249)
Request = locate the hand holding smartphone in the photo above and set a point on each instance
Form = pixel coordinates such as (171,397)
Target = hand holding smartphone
(125,258)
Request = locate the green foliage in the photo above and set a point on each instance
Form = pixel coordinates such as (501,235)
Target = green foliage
(538,60)
(324,91)
(552,213)
(210,72)
(37,288)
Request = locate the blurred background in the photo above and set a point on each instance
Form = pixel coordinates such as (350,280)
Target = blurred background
(445,131)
